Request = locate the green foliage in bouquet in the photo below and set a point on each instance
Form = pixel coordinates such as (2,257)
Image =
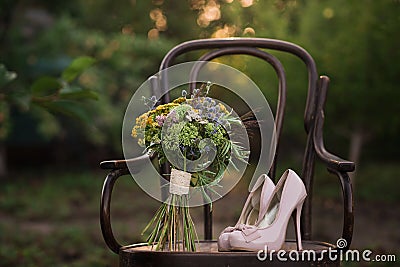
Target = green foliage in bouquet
(178,130)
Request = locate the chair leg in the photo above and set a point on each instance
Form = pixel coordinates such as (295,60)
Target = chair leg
(207,222)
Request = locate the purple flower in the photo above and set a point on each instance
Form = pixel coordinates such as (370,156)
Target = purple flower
(173,117)
(160,119)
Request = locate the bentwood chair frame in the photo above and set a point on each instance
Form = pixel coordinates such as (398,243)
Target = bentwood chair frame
(135,255)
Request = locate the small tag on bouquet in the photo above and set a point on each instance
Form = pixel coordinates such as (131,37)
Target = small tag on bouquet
(179,182)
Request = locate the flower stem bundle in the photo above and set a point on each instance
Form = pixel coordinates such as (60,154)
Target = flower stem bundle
(173,226)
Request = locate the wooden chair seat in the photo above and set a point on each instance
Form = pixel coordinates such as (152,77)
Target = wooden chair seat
(207,255)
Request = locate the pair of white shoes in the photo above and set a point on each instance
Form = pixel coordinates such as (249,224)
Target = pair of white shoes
(265,215)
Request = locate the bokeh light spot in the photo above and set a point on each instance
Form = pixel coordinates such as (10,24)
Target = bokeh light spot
(153,34)
(249,31)
(328,13)
(246,3)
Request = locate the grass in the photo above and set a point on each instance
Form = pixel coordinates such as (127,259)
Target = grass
(51,218)
(65,245)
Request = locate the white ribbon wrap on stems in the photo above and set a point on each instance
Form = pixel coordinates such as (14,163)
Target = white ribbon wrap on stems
(179,182)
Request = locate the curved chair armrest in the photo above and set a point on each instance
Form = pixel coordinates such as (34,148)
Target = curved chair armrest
(123,164)
(340,168)
(335,164)
(119,168)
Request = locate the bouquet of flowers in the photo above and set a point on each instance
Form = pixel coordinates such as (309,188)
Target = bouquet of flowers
(191,134)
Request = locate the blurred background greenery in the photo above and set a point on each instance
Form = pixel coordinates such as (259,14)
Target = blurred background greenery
(68,70)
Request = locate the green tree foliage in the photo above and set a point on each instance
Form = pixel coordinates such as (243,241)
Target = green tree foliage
(123,62)
(355,43)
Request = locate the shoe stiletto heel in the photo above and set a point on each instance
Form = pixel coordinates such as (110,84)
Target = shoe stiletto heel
(269,233)
(296,221)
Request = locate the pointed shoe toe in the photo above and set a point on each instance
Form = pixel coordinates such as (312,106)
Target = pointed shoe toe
(223,242)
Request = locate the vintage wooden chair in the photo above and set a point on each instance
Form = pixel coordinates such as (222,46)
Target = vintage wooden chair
(207,255)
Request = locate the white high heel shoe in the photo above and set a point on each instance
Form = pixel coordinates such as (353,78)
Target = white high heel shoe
(256,201)
(289,195)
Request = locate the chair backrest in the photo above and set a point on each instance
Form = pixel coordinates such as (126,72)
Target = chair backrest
(252,47)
